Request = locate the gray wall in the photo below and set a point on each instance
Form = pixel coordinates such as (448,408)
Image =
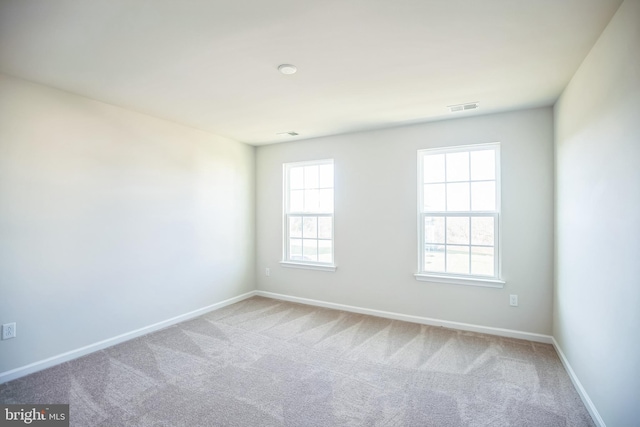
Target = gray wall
(376,220)
(112,220)
(597,292)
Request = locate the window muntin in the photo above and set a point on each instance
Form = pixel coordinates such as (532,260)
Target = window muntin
(459,211)
(308,212)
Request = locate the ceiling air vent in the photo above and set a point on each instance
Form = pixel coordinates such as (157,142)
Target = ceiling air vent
(463,107)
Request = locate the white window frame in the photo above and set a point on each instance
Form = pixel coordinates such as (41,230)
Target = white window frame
(451,278)
(286,258)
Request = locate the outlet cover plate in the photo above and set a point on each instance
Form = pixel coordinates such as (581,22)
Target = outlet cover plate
(8,331)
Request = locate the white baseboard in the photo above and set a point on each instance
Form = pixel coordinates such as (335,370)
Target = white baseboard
(578,385)
(79,352)
(547,339)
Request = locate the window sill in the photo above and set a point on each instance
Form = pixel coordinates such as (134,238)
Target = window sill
(308,266)
(468,281)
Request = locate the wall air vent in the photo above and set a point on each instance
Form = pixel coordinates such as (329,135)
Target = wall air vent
(463,107)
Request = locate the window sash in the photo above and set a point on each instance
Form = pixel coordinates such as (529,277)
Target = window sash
(445,243)
(287,247)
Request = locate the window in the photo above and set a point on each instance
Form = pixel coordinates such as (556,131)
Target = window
(308,215)
(459,215)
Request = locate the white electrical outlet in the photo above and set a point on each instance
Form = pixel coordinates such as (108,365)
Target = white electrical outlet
(267,271)
(513,300)
(8,330)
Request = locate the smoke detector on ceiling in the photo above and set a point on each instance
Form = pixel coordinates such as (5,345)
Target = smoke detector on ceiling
(463,107)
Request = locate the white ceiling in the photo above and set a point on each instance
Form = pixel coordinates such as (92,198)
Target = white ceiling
(362,64)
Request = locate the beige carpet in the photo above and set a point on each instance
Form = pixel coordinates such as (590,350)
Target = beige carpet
(263,362)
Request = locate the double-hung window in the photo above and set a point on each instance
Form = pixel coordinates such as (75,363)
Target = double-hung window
(308,215)
(459,215)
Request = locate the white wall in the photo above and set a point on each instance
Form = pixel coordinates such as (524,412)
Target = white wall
(597,292)
(375,221)
(112,220)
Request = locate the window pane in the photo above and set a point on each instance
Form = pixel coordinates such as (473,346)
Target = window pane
(310,227)
(311,174)
(483,196)
(458,230)
(458,166)
(326,176)
(434,198)
(295,249)
(482,261)
(458,259)
(482,231)
(458,197)
(311,200)
(325,248)
(326,200)
(434,258)
(434,229)
(324,227)
(433,168)
(296,178)
(310,250)
(296,200)
(483,165)
(295,226)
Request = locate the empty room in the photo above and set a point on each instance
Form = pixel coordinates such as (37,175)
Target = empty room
(320,213)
